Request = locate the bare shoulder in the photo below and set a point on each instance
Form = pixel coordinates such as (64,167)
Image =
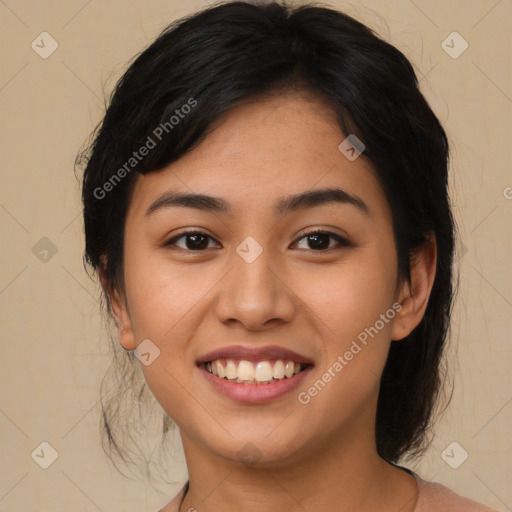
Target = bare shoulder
(174,504)
(435,497)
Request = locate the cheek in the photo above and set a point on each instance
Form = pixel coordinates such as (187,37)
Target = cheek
(168,302)
(352,307)
(163,296)
(349,298)
(166,307)
(355,343)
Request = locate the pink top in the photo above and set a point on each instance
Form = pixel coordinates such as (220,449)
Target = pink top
(432,497)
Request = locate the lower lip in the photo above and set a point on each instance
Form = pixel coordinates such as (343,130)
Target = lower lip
(255,393)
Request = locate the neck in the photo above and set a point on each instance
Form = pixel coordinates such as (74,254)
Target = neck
(332,474)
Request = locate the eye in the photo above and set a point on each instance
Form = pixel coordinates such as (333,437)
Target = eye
(194,241)
(319,240)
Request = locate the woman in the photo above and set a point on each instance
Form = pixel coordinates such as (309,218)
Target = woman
(266,205)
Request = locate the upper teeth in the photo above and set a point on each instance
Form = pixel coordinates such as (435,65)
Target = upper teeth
(261,372)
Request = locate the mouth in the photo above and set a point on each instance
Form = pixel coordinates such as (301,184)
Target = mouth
(254,375)
(242,371)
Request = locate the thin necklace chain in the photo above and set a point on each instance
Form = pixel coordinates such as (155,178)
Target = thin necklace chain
(183,498)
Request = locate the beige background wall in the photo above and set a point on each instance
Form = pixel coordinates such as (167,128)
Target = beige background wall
(54,349)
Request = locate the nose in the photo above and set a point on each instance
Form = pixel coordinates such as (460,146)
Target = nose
(256,294)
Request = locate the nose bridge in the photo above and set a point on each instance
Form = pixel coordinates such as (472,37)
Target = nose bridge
(253,294)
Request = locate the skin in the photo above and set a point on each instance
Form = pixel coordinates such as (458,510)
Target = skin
(315,457)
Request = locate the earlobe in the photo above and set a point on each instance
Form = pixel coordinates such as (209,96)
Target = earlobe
(120,312)
(414,295)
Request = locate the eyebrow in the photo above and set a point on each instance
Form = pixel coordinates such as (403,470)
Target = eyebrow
(288,204)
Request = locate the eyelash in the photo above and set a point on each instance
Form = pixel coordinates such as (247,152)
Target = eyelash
(342,242)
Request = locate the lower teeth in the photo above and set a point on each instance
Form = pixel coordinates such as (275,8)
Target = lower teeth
(238,381)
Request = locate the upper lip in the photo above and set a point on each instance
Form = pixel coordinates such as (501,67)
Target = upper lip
(254,354)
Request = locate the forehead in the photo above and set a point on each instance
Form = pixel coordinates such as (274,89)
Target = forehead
(264,150)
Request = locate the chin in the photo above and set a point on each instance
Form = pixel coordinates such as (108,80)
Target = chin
(262,450)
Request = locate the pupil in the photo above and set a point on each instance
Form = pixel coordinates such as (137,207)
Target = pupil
(322,241)
(195,244)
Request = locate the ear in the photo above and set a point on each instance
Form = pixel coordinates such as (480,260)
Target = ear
(118,304)
(414,295)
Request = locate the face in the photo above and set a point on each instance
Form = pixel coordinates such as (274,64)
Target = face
(252,273)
